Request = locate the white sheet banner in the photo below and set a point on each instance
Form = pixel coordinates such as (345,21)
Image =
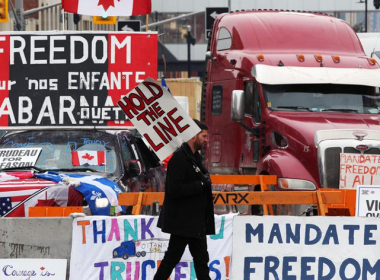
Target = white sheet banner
(132,247)
(158,117)
(282,247)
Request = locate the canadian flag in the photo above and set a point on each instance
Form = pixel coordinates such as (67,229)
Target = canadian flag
(107,7)
(88,157)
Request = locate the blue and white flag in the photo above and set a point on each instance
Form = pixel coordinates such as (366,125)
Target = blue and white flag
(92,188)
(164,85)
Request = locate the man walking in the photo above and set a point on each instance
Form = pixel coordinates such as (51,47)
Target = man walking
(187,213)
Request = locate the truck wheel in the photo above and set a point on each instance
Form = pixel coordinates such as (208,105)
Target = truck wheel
(138,254)
(125,256)
(143,253)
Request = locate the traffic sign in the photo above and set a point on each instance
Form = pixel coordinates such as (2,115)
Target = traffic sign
(211,14)
(129,25)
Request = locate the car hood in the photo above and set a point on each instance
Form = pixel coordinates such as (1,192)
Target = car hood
(302,126)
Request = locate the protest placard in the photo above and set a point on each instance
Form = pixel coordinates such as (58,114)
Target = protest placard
(18,157)
(158,117)
(358,169)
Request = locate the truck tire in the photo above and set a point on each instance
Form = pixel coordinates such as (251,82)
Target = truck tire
(138,254)
(143,253)
(125,256)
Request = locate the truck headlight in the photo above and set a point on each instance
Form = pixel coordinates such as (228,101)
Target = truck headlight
(296,184)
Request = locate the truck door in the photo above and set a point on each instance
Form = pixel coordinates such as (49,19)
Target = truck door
(252,118)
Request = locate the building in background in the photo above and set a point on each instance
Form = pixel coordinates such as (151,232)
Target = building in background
(172,35)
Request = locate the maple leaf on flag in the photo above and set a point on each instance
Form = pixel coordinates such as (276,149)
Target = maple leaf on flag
(87,156)
(42,268)
(106,3)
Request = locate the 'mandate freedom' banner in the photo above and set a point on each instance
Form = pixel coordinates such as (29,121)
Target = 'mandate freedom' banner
(158,117)
(71,79)
(284,247)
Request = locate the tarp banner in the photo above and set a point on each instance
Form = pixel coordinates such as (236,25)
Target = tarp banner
(68,79)
(132,247)
(281,247)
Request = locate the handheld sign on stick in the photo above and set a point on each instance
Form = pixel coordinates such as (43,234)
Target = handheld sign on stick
(158,117)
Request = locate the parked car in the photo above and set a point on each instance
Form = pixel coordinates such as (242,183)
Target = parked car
(127,160)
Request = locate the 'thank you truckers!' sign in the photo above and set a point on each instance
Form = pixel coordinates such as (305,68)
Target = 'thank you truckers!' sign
(63,78)
(158,117)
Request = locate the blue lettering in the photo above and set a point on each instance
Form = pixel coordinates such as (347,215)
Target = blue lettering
(271,269)
(215,270)
(317,230)
(102,231)
(275,232)
(305,268)
(144,267)
(257,231)
(294,236)
(324,261)
(247,266)
(368,234)
(342,270)
(331,233)
(221,231)
(116,269)
(128,230)
(351,232)
(367,268)
(287,267)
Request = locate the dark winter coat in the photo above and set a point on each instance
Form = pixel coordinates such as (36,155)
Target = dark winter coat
(188,208)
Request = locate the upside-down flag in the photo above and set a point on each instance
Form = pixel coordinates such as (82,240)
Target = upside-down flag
(107,7)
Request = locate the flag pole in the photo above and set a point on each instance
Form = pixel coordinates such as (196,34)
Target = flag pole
(147,22)
(63,20)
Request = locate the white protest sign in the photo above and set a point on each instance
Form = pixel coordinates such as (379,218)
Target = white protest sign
(368,201)
(132,247)
(358,169)
(285,247)
(158,117)
(33,269)
(18,157)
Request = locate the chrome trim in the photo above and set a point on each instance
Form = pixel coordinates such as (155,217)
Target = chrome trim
(338,134)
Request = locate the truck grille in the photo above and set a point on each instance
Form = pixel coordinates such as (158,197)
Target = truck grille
(332,163)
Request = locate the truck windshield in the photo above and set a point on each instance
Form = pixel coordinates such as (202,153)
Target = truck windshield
(69,151)
(322,98)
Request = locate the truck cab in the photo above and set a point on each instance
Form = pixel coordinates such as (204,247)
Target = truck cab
(286,93)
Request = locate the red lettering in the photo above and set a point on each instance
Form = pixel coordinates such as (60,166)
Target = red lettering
(169,128)
(344,180)
(158,109)
(177,120)
(151,87)
(160,134)
(147,101)
(141,105)
(148,112)
(127,107)
(154,146)
(357,181)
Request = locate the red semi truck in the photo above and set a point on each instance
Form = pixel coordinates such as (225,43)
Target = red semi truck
(286,93)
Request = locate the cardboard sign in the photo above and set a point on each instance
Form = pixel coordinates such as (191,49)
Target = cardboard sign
(368,201)
(18,157)
(284,247)
(71,78)
(158,117)
(16,269)
(357,169)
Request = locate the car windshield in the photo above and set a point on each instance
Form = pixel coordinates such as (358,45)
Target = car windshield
(69,151)
(322,98)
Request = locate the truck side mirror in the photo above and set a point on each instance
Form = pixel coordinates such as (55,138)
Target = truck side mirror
(237,105)
(134,167)
(208,55)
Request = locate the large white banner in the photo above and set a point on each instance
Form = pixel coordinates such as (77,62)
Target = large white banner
(282,247)
(158,117)
(132,247)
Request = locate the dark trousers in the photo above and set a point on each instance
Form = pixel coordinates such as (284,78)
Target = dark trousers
(177,246)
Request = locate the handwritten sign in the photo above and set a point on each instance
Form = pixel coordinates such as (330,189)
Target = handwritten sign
(20,157)
(358,169)
(158,117)
(49,269)
(368,201)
